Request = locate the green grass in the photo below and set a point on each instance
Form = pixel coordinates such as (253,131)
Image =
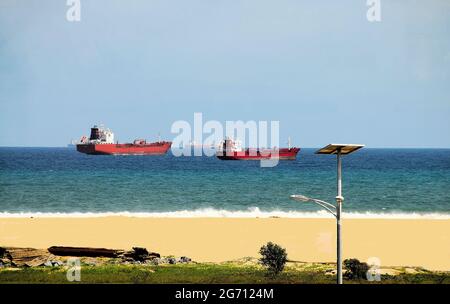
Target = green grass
(200,273)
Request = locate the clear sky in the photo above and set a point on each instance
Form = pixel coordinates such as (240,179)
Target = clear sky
(319,67)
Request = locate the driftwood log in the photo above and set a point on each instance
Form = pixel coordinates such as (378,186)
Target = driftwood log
(31,257)
(24,256)
(85,252)
(140,254)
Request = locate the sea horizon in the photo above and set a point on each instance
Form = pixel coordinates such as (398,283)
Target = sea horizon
(318,147)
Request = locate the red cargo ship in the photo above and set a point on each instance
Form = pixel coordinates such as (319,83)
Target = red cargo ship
(232,151)
(101,142)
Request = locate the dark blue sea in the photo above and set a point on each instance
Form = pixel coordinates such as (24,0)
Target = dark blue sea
(376,183)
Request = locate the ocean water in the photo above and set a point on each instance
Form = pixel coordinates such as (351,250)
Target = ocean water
(376,183)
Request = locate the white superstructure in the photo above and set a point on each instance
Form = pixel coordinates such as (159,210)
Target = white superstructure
(99,135)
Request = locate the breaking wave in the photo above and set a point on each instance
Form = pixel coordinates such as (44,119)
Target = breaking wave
(253,212)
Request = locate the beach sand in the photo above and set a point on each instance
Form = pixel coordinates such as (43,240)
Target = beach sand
(396,242)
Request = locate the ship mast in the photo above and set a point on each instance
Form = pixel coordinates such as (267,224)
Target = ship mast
(289,143)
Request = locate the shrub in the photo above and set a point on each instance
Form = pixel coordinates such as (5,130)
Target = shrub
(273,258)
(355,269)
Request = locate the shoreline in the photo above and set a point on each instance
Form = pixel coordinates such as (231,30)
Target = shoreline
(396,242)
(251,213)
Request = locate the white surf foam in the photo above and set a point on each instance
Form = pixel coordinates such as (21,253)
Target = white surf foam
(253,212)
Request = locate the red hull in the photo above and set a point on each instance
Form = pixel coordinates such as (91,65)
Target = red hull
(254,154)
(157,148)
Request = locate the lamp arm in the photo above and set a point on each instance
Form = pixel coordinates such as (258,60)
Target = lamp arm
(325,205)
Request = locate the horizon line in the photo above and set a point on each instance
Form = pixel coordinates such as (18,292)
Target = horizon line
(366,147)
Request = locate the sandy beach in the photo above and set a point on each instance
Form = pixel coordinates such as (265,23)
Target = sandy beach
(396,242)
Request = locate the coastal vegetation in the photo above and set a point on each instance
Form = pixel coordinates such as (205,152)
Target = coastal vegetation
(354,269)
(100,265)
(246,270)
(273,257)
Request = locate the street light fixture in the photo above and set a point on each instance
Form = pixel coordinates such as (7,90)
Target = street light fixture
(327,206)
(336,210)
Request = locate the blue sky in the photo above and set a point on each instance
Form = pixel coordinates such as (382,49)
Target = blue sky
(319,67)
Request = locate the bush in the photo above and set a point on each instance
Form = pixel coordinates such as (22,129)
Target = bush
(273,257)
(355,269)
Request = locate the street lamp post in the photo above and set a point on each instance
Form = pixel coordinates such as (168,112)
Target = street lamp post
(339,150)
(339,199)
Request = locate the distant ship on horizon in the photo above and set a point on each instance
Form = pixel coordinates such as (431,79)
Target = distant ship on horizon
(73,144)
(101,142)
